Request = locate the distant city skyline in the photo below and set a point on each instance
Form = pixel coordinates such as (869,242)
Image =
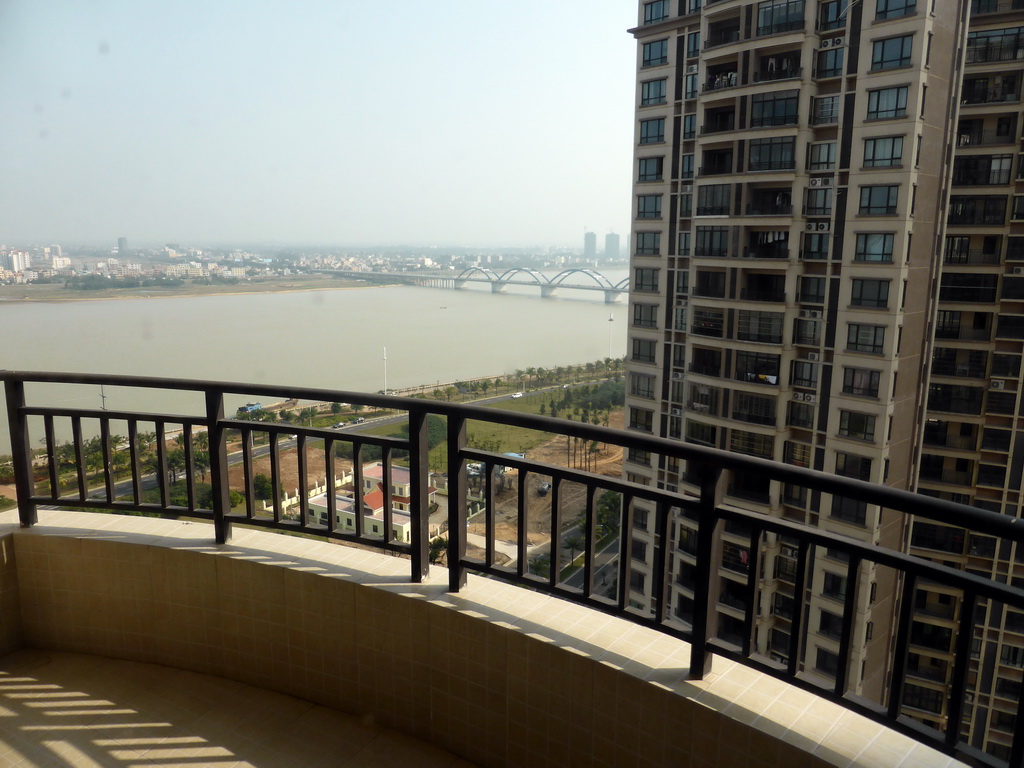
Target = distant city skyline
(455,125)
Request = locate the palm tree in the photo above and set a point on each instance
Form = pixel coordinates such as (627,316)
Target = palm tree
(572,543)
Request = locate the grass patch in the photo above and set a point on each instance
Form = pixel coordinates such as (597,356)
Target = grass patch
(6,503)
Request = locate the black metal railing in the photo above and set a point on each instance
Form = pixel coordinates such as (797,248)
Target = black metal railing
(58,475)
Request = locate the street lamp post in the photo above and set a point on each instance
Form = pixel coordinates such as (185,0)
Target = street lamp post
(385,370)
(611,319)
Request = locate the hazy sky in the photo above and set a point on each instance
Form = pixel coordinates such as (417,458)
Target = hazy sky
(472,122)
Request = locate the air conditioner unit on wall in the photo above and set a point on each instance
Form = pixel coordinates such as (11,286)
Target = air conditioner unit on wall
(677,411)
(686,188)
(811,314)
(677,375)
(1018,270)
(813,357)
(692,69)
(998,384)
(823,226)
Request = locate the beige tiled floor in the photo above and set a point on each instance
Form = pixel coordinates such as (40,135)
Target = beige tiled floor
(62,709)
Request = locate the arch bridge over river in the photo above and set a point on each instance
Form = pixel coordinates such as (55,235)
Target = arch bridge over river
(575,279)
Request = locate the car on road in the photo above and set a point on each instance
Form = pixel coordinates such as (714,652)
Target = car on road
(517,394)
(358,420)
(543,488)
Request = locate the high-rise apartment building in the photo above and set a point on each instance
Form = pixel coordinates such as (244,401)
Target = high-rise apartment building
(122,246)
(589,245)
(824,240)
(611,246)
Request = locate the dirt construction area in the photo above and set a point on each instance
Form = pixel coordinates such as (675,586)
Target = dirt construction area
(572,497)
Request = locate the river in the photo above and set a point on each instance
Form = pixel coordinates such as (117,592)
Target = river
(332,338)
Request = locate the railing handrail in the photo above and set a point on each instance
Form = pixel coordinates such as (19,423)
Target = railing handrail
(706,506)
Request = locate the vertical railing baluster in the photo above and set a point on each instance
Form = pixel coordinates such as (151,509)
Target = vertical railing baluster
(190,466)
(849,615)
(219,465)
(556,527)
(51,457)
(750,589)
(275,475)
(589,540)
(161,463)
(332,491)
(108,474)
(21,452)
(76,437)
(961,666)
(522,524)
(796,623)
(385,477)
(419,503)
(625,552)
(899,657)
(490,514)
(456,502)
(703,605)
(662,524)
(1017,747)
(300,452)
(247,436)
(133,458)
(357,488)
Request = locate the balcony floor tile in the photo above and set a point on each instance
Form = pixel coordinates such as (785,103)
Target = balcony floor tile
(66,709)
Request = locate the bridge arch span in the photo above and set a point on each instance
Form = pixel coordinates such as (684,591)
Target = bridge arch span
(490,274)
(597,277)
(541,280)
(623,284)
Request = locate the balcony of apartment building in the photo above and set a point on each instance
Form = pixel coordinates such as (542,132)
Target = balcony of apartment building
(968,288)
(960,363)
(763,286)
(498,659)
(948,470)
(723,32)
(986,7)
(771,66)
(961,436)
(983,170)
(718,162)
(992,46)
(986,132)
(769,201)
(720,76)
(719,119)
(767,244)
(960,325)
(990,89)
(967,250)
(977,210)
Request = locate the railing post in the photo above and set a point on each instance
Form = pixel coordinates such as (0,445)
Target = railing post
(703,600)
(419,469)
(21,452)
(456,502)
(219,465)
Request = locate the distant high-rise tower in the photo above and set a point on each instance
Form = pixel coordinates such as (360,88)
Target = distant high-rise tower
(611,246)
(589,245)
(122,246)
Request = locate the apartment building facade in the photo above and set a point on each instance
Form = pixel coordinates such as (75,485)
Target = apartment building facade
(823,274)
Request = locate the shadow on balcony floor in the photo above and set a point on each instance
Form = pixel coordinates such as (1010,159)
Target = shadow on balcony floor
(65,709)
